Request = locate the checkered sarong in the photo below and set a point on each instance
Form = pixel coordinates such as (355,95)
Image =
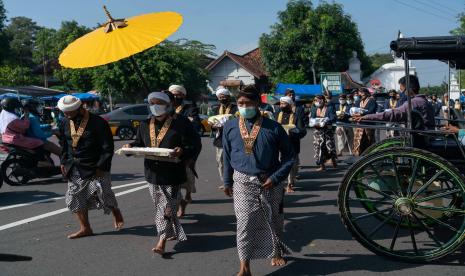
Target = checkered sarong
(88,194)
(260,218)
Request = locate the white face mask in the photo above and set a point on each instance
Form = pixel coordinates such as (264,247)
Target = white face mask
(342,101)
(349,101)
(317,104)
(158,109)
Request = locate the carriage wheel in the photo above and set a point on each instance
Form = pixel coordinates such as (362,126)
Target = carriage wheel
(387,143)
(419,198)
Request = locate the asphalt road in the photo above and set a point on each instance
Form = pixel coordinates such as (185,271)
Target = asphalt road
(34,225)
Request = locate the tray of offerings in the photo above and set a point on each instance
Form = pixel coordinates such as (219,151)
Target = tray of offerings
(160,154)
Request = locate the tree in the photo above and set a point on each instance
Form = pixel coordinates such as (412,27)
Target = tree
(2,15)
(4,49)
(377,60)
(43,50)
(304,37)
(14,75)
(22,34)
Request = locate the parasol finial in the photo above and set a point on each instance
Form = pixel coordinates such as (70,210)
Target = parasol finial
(110,18)
(112,23)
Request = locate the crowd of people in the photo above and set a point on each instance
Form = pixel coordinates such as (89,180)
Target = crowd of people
(257,153)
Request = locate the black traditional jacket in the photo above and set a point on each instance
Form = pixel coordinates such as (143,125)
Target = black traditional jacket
(180,134)
(94,149)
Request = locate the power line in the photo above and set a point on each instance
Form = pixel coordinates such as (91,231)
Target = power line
(437,8)
(424,11)
(440,5)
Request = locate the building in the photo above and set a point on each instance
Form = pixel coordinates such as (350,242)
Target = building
(233,71)
(390,73)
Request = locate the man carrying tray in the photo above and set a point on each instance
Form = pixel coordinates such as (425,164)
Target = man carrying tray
(86,162)
(164,130)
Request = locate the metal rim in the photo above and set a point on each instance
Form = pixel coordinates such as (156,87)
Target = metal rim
(419,196)
(125,133)
(8,169)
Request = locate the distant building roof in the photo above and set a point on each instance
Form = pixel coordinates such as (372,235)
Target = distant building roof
(250,61)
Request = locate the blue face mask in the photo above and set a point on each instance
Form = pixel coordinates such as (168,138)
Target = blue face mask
(248,112)
(356,98)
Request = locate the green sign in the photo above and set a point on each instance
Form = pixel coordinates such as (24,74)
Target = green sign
(331,82)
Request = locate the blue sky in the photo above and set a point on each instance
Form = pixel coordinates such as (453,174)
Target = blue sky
(237,25)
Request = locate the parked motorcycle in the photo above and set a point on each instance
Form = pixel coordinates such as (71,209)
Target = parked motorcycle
(19,166)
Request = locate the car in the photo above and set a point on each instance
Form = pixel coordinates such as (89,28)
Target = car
(124,121)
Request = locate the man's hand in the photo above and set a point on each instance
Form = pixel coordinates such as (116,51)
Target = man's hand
(268,184)
(357,118)
(99,173)
(126,146)
(228,191)
(63,170)
(177,152)
(450,129)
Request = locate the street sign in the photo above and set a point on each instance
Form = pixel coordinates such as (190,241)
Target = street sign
(331,82)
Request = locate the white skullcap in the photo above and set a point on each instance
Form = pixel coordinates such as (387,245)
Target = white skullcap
(223,91)
(177,88)
(286,99)
(158,95)
(69,103)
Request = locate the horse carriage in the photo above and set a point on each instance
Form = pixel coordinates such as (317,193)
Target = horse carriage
(404,197)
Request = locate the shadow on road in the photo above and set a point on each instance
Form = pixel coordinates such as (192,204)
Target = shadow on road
(14,258)
(12,198)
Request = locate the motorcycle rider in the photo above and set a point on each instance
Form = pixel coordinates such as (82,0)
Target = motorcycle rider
(13,129)
(36,130)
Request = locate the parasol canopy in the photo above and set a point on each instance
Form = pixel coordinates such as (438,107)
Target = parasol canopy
(120,38)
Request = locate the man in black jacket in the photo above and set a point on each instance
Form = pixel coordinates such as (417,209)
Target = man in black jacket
(88,148)
(165,130)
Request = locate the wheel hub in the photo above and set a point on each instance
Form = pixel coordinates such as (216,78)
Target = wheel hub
(404,206)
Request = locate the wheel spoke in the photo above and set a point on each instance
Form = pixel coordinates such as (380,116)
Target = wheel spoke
(379,226)
(412,178)
(443,209)
(396,232)
(371,214)
(378,175)
(427,230)
(427,184)
(412,235)
(438,195)
(394,166)
(438,221)
(376,201)
(358,183)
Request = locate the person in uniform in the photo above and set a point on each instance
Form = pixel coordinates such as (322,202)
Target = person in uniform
(344,136)
(258,157)
(364,137)
(170,131)
(224,107)
(296,130)
(191,112)
(87,144)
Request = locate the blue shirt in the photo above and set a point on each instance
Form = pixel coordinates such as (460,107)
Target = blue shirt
(265,159)
(36,130)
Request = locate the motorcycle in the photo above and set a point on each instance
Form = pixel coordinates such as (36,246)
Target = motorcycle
(19,166)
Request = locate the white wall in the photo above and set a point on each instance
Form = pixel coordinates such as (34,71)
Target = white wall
(228,69)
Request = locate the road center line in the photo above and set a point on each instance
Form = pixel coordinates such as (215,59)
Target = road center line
(59,211)
(61,197)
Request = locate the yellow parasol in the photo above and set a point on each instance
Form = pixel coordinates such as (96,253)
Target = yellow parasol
(120,38)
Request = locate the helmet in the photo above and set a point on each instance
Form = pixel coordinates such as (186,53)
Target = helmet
(10,104)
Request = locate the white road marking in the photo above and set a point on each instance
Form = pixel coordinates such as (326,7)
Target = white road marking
(61,197)
(59,211)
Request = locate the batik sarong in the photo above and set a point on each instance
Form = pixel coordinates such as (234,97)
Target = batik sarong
(88,194)
(363,138)
(165,199)
(260,218)
(323,145)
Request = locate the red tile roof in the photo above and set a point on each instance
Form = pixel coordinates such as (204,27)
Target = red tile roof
(250,61)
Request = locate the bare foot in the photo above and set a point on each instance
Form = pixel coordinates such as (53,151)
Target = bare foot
(81,233)
(118,219)
(159,250)
(244,273)
(290,189)
(321,168)
(182,208)
(278,261)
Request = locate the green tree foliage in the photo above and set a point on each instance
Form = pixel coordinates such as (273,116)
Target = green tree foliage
(304,36)
(2,15)
(21,33)
(4,49)
(377,60)
(14,75)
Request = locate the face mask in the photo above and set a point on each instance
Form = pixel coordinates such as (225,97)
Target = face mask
(178,101)
(317,104)
(247,112)
(158,110)
(224,101)
(356,98)
(342,101)
(286,109)
(349,101)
